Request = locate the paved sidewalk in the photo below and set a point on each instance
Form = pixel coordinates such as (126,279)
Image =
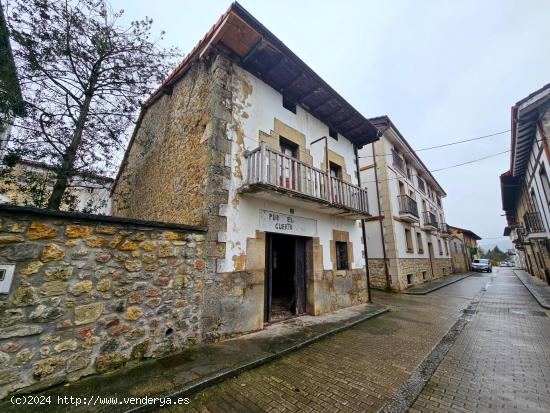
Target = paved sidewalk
(358,370)
(538,288)
(438,283)
(501,360)
(196,368)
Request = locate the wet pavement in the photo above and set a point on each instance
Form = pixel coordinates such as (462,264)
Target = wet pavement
(431,286)
(357,370)
(501,360)
(538,288)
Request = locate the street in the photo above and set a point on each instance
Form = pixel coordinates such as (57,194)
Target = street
(499,362)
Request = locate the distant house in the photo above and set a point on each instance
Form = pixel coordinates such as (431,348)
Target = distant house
(459,254)
(469,239)
(30,183)
(11,100)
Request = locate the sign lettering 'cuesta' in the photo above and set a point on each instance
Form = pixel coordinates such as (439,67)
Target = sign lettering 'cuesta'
(287,224)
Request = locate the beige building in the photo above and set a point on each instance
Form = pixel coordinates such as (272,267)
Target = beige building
(459,254)
(407,235)
(245,140)
(469,239)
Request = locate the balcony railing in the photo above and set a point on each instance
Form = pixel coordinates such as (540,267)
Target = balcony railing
(430,220)
(533,222)
(407,205)
(398,161)
(444,228)
(276,170)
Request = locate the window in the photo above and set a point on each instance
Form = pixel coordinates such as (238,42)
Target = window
(288,148)
(409,171)
(439,247)
(332,133)
(408,239)
(335,170)
(421,185)
(419,243)
(424,275)
(398,161)
(439,201)
(545,183)
(288,105)
(341,255)
(456,248)
(446,248)
(409,279)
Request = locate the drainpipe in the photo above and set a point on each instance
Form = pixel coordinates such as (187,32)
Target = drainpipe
(386,269)
(367,272)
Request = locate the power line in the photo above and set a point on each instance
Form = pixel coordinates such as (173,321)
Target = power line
(443,145)
(447,167)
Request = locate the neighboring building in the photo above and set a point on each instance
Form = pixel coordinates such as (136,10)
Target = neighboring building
(459,254)
(526,187)
(30,183)
(11,100)
(244,139)
(469,239)
(407,235)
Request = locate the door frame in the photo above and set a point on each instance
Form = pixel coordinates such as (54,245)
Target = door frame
(300,277)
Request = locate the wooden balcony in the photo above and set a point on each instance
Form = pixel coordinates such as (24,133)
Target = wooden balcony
(275,176)
(408,208)
(430,221)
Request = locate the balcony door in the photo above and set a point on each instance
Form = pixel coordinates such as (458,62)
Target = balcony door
(287,178)
(335,171)
(431,255)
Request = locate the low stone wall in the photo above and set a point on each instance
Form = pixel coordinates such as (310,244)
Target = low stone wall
(91,294)
(377,273)
(442,267)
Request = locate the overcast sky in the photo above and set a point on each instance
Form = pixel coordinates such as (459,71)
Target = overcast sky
(442,70)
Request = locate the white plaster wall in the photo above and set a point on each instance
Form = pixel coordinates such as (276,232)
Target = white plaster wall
(255,106)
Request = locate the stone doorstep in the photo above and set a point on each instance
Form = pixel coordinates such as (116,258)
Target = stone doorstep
(434,285)
(184,374)
(539,291)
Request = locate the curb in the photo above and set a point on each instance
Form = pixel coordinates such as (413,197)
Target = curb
(531,291)
(439,286)
(224,375)
(409,391)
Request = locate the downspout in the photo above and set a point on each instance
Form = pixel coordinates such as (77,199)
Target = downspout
(386,269)
(367,272)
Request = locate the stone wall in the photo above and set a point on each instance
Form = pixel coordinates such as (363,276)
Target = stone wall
(377,273)
(164,175)
(91,294)
(418,266)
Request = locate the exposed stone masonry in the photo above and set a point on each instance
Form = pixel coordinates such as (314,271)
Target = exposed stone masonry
(90,296)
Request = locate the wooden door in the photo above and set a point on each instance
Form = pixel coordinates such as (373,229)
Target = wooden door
(268,276)
(299,274)
(431,254)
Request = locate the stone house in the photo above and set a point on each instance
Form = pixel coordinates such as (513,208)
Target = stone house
(29,183)
(245,139)
(407,234)
(459,254)
(469,239)
(526,187)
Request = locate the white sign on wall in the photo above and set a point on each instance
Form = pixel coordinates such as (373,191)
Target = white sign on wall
(287,224)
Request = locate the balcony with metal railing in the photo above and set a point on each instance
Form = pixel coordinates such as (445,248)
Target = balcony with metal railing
(430,221)
(533,223)
(444,228)
(408,208)
(272,175)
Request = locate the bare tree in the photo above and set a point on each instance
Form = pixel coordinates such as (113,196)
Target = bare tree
(83,76)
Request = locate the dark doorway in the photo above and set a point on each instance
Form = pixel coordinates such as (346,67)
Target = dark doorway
(285,291)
